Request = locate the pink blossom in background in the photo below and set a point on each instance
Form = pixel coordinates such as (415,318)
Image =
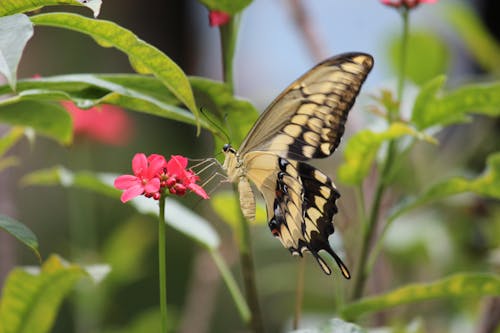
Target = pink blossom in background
(107,124)
(407,3)
(217,18)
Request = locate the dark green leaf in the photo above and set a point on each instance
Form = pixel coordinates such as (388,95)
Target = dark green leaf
(459,285)
(362,148)
(229,6)
(15,31)
(151,59)
(427,56)
(10,7)
(21,232)
(237,116)
(30,301)
(431,109)
(49,119)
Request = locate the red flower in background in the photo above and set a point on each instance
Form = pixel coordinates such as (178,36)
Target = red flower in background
(154,173)
(406,3)
(105,123)
(217,18)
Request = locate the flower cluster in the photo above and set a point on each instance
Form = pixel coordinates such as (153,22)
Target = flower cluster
(154,174)
(409,4)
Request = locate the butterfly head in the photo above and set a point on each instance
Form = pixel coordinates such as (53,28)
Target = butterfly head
(228,149)
(231,162)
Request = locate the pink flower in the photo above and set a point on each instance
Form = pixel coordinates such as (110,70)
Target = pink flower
(179,179)
(145,180)
(217,18)
(105,123)
(409,4)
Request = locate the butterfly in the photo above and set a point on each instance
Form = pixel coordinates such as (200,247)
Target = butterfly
(305,121)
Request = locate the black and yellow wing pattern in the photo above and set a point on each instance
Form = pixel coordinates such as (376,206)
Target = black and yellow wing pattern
(305,121)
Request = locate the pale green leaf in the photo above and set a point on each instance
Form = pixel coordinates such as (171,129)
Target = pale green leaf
(432,109)
(46,118)
(226,204)
(427,56)
(15,31)
(182,219)
(30,300)
(479,41)
(10,139)
(167,71)
(228,6)
(362,148)
(459,285)
(487,184)
(21,232)
(61,176)
(10,7)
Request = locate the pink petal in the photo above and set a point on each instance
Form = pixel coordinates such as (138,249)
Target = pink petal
(131,193)
(156,165)
(139,164)
(125,181)
(152,185)
(197,189)
(177,165)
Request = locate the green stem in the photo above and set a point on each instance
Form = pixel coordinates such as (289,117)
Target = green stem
(162,264)
(228,34)
(248,271)
(385,175)
(228,278)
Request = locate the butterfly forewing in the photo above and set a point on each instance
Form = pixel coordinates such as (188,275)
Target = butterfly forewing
(307,120)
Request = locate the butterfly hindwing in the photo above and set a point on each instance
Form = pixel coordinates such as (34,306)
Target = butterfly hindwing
(300,204)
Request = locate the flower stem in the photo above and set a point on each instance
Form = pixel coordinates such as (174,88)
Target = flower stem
(162,264)
(385,173)
(299,293)
(228,34)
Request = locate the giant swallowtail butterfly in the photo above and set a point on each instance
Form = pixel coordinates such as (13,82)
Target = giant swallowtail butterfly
(305,121)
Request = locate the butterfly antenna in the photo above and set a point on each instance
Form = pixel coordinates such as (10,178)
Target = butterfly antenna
(220,129)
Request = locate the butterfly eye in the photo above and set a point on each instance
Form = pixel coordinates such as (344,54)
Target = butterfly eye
(226,147)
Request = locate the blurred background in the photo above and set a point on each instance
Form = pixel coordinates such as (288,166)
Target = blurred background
(272,51)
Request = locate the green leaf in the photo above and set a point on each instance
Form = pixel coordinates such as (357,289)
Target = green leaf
(182,219)
(487,185)
(229,6)
(423,48)
(128,261)
(30,301)
(177,216)
(111,34)
(431,109)
(362,148)
(459,285)
(61,176)
(227,206)
(10,7)
(479,41)
(10,139)
(49,119)
(237,116)
(21,232)
(15,31)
